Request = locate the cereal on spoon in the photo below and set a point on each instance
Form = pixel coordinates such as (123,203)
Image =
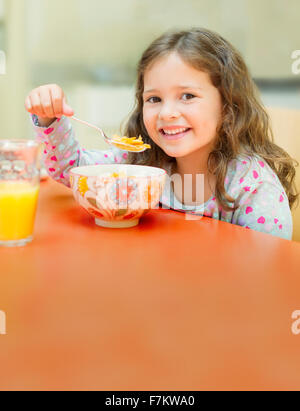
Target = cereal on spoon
(136,144)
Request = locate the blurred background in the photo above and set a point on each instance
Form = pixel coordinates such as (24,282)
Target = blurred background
(91,48)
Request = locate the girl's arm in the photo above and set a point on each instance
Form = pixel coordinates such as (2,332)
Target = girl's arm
(49,109)
(62,151)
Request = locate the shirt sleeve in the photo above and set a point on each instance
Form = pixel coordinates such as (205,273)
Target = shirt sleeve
(265,208)
(62,151)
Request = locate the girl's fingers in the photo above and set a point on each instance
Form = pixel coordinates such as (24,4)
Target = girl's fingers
(57,97)
(46,102)
(36,105)
(67,110)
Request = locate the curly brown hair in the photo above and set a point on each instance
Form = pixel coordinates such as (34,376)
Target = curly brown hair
(245,127)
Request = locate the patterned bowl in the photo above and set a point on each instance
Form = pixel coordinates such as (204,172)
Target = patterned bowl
(117,195)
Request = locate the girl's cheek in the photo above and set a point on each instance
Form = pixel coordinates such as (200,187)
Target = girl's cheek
(146,120)
(149,120)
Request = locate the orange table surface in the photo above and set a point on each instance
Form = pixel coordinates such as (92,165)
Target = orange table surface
(171,304)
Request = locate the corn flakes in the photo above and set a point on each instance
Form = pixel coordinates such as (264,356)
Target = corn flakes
(136,144)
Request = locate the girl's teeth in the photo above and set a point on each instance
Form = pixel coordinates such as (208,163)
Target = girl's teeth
(180,130)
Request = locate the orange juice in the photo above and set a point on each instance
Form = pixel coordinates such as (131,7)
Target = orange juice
(18,202)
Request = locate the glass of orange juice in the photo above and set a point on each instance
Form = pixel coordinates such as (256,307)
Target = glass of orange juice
(19,189)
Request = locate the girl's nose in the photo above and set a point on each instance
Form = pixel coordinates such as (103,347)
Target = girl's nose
(168,112)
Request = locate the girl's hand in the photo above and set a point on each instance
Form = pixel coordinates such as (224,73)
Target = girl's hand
(48,102)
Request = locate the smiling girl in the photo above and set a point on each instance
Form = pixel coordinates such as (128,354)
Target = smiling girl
(198,108)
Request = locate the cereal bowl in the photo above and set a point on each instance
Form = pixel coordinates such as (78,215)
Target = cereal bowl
(117,195)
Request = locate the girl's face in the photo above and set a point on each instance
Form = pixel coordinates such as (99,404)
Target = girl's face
(182,109)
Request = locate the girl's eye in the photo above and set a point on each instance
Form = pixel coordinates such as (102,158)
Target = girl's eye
(187,96)
(153,100)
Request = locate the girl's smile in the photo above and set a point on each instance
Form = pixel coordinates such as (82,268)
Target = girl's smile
(174,132)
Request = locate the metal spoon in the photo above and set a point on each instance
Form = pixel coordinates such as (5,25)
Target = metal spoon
(127,147)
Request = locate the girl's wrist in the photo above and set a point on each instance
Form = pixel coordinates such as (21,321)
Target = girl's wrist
(45,121)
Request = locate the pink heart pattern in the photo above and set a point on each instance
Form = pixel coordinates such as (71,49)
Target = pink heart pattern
(249,210)
(255,174)
(261,220)
(261,163)
(275,220)
(48,131)
(53,158)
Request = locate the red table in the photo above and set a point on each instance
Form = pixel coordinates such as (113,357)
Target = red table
(171,304)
